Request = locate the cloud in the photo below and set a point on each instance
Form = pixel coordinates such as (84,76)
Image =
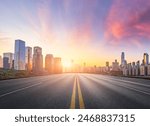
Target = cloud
(3,37)
(81,35)
(128,19)
(67,16)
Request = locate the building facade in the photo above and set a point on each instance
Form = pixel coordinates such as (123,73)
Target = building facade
(37,60)
(133,69)
(115,66)
(19,57)
(143,70)
(148,70)
(57,65)
(145,59)
(8,60)
(28,58)
(1,62)
(49,63)
(137,67)
(122,59)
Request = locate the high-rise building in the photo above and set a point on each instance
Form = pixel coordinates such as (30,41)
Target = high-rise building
(1,62)
(8,60)
(49,63)
(122,59)
(138,63)
(28,58)
(107,67)
(138,68)
(146,59)
(133,69)
(130,69)
(115,66)
(57,65)
(5,63)
(37,60)
(19,60)
(107,64)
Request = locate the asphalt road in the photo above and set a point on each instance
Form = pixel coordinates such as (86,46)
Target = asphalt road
(64,91)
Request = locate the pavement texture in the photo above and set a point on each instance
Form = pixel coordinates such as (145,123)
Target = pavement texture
(75,91)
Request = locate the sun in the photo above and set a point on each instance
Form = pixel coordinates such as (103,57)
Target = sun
(66,64)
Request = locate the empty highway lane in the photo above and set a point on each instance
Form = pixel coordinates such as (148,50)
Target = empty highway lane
(75,91)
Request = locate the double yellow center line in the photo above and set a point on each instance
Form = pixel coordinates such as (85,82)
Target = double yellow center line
(80,97)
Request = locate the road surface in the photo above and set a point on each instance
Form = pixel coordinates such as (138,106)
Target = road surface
(64,91)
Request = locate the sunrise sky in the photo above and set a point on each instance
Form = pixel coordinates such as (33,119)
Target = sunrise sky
(91,31)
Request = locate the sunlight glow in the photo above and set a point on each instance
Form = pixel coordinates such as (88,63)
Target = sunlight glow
(66,64)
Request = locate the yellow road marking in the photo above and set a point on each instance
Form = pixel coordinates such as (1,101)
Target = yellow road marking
(81,102)
(73,98)
(80,97)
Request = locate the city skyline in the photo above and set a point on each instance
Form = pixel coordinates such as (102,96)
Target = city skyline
(28,58)
(83,31)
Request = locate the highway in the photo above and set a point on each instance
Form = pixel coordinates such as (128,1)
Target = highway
(75,91)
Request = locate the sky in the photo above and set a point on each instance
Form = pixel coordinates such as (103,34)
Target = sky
(91,31)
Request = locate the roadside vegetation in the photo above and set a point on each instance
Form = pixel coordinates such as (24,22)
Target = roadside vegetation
(14,74)
(10,74)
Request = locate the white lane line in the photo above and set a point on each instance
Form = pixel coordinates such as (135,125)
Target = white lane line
(130,84)
(21,89)
(121,80)
(127,83)
(136,83)
(125,86)
(128,87)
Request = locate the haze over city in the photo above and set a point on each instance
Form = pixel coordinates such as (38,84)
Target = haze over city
(84,31)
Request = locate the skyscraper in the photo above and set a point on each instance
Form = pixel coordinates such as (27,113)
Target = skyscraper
(145,59)
(1,62)
(37,60)
(28,58)
(115,66)
(122,59)
(107,64)
(49,63)
(8,60)
(57,65)
(19,60)
(137,68)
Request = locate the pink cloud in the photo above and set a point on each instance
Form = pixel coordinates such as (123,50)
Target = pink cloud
(81,35)
(129,19)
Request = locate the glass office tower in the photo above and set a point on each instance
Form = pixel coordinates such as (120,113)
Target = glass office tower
(19,59)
